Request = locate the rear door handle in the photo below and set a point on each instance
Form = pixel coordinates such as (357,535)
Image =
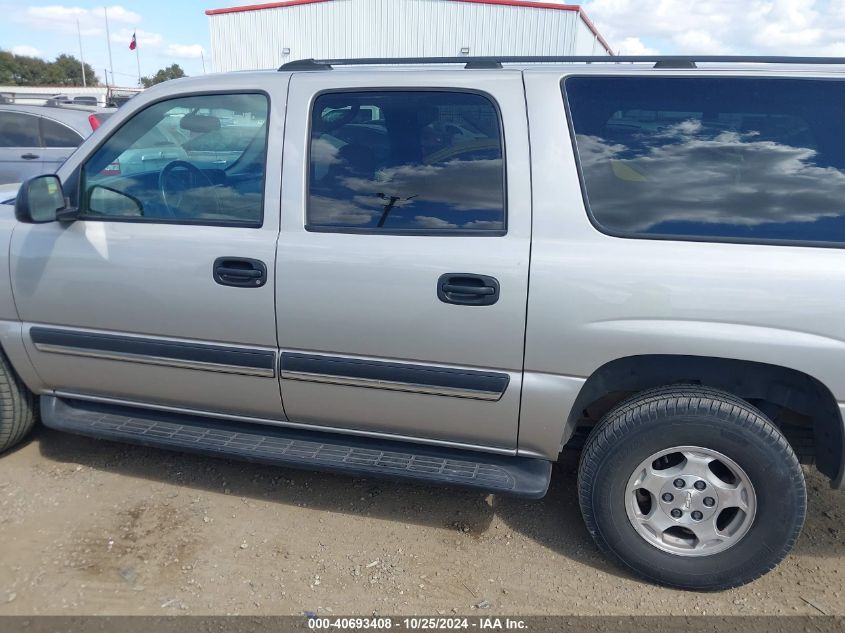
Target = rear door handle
(240,272)
(468,289)
(29,156)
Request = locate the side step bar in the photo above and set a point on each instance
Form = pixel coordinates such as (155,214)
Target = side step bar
(296,448)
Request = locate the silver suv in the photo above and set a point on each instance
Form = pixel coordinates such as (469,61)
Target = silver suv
(448,273)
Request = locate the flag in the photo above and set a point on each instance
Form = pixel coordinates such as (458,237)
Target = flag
(134,43)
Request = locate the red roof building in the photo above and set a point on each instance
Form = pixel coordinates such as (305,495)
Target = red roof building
(270,34)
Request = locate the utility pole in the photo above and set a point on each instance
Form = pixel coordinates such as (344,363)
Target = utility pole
(81,56)
(108,41)
(137,57)
(202,56)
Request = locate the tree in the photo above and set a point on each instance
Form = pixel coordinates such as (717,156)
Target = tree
(19,70)
(22,71)
(164,74)
(66,71)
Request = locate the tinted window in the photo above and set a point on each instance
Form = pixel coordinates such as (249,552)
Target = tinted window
(712,158)
(58,135)
(176,161)
(406,161)
(18,130)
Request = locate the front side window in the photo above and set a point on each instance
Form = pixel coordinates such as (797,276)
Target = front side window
(406,161)
(198,160)
(18,130)
(740,159)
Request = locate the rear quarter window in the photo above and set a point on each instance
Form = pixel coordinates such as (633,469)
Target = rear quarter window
(718,159)
(58,135)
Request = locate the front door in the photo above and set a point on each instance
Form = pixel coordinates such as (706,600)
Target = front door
(162,293)
(402,266)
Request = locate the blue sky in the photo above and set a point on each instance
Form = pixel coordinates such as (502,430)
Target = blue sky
(168,31)
(177,30)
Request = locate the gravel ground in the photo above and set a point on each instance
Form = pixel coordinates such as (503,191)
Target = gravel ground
(92,527)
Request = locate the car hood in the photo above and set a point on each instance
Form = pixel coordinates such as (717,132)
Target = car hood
(8,192)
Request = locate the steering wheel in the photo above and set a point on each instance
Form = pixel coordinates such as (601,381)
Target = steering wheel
(172,196)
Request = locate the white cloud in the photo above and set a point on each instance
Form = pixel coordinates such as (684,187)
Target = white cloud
(634,46)
(57,17)
(185,51)
(26,51)
(122,15)
(797,27)
(701,42)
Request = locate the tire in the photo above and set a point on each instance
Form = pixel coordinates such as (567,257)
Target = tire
(17,407)
(622,493)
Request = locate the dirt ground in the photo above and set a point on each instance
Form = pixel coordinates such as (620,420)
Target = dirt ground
(91,527)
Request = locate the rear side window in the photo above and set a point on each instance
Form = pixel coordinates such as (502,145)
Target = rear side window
(58,135)
(406,161)
(738,159)
(18,130)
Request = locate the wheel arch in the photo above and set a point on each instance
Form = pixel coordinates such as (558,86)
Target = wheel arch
(800,405)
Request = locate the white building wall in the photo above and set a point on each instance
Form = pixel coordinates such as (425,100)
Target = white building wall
(586,41)
(393,28)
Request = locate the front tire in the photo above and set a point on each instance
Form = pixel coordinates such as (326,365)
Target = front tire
(17,407)
(691,487)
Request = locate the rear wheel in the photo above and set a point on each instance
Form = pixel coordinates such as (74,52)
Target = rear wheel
(17,407)
(691,487)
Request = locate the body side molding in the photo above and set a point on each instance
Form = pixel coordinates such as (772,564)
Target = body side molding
(202,356)
(359,372)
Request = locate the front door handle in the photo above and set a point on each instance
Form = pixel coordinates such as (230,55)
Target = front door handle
(240,272)
(29,156)
(468,289)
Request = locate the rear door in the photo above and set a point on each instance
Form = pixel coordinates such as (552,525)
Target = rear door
(59,142)
(403,260)
(21,154)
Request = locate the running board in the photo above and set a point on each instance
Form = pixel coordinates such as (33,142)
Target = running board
(296,448)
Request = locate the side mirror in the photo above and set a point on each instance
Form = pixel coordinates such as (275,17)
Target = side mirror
(40,200)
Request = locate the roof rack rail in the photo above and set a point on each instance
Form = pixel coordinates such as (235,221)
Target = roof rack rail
(306,64)
(665,61)
(57,101)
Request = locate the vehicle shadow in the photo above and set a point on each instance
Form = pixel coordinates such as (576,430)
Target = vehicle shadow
(823,534)
(554,522)
(28,439)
